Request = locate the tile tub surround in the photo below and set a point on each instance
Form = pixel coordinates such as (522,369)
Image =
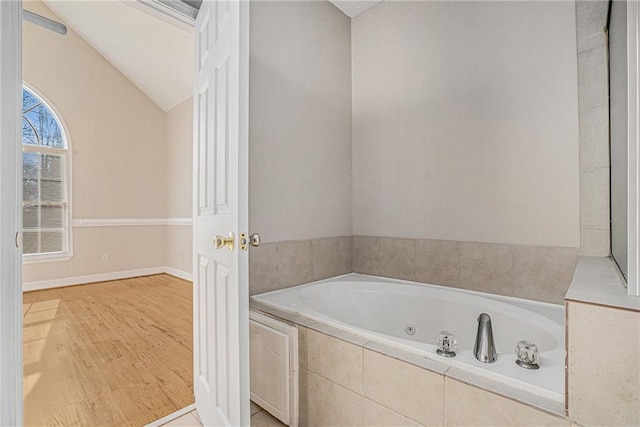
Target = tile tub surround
(382,386)
(345,379)
(603,379)
(278,265)
(603,347)
(593,123)
(530,272)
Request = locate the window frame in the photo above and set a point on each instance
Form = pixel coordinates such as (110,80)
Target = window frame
(67,254)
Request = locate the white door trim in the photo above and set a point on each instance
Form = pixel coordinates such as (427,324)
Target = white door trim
(243,214)
(10,215)
(633,166)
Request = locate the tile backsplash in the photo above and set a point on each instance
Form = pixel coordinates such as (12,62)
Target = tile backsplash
(279,265)
(531,272)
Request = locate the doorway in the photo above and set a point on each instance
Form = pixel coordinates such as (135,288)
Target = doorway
(108,325)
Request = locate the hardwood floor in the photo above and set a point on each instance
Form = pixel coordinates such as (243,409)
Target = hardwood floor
(108,354)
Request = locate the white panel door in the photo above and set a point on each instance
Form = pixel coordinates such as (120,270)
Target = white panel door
(220,276)
(10,213)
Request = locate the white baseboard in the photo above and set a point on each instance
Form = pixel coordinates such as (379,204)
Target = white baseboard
(103,277)
(179,273)
(172,416)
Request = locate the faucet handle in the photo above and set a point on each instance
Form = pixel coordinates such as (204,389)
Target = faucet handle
(527,354)
(446,343)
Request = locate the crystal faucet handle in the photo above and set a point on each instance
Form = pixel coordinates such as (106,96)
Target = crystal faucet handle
(527,354)
(446,343)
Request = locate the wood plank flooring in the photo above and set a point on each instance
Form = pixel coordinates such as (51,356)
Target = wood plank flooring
(108,354)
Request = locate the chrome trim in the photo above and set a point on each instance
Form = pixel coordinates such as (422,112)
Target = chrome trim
(484,349)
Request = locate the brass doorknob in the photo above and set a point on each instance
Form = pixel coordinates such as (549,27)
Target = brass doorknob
(220,242)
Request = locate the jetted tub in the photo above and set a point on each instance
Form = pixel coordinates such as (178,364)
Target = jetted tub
(381,309)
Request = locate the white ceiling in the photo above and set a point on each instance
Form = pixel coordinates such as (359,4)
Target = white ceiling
(353,8)
(156,55)
(152,51)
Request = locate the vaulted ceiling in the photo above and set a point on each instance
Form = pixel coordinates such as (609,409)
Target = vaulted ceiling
(152,51)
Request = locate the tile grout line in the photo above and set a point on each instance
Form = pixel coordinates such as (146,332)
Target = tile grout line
(444,394)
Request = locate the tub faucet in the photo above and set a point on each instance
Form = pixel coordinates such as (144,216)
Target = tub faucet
(484,349)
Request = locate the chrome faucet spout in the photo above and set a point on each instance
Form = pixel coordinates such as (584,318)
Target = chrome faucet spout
(484,349)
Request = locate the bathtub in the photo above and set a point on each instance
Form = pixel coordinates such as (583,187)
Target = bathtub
(383,310)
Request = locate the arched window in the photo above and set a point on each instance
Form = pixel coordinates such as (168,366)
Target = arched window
(45,187)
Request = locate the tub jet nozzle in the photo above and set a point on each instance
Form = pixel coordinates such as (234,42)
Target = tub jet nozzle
(484,349)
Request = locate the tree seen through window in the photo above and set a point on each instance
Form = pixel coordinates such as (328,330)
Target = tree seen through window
(44,186)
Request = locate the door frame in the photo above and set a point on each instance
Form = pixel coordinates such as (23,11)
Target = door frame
(11,403)
(633,147)
(11,357)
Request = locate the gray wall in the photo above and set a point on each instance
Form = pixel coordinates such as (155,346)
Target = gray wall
(300,121)
(300,143)
(465,122)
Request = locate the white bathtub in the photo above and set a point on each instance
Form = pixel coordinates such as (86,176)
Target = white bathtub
(380,309)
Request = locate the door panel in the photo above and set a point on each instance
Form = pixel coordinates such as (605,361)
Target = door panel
(220,208)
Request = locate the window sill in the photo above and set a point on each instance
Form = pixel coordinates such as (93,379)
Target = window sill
(598,281)
(37,259)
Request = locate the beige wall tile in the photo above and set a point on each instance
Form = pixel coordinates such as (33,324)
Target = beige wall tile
(594,138)
(543,273)
(591,19)
(438,262)
(486,267)
(278,265)
(604,365)
(592,78)
(470,406)
(397,258)
(295,262)
(325,255)
(335,360)
(595,242)
(365,254)
(264,273)
(406,389)
(345,255)
(303,397)
(302,346)
(377,415)
(594,199)
(331,405)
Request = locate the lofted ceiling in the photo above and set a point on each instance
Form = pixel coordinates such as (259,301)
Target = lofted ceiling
(353,8)
(153,52)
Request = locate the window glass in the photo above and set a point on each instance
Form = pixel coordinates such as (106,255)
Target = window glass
(44,179)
